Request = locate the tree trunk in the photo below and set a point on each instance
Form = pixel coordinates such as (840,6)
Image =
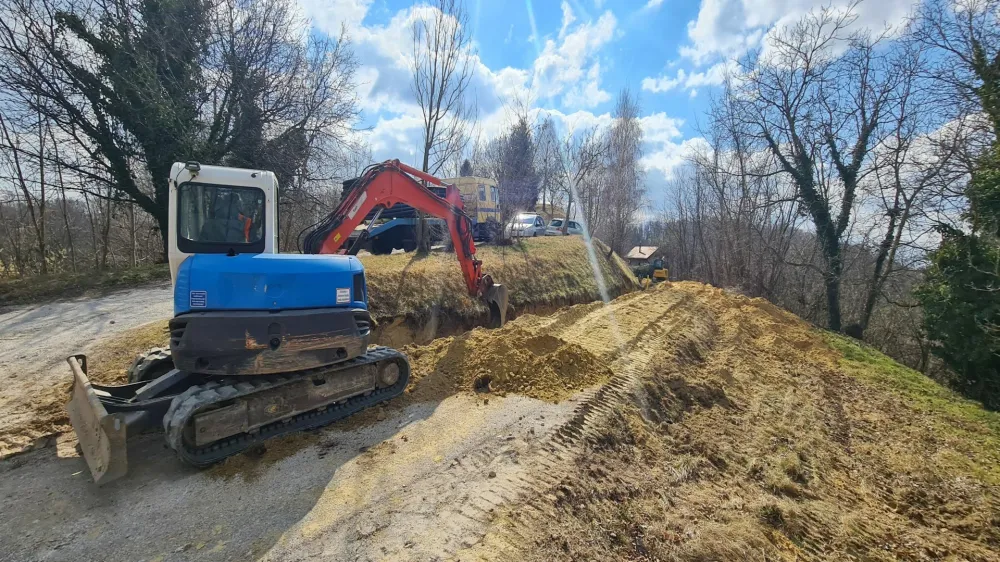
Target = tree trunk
(65,205)
(131,228)
(833,291)
(160,207)
(106,234)
(877,277)
(41,199)
(569,208)
(423,236)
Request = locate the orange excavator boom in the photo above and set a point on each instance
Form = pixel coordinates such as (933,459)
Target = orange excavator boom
(390,183)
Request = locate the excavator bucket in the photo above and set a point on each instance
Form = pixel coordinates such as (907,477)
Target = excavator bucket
(101,435)
(496,299)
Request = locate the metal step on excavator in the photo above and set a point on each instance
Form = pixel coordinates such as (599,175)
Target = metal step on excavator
(262,344)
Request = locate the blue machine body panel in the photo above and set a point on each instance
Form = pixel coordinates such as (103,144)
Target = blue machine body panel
(267,282)
(381,229)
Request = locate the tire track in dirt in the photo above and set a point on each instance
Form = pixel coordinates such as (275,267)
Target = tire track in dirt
(680,330)
(469,492)
(796,464)
(644,338)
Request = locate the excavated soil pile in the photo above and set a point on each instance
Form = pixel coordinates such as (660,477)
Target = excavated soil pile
(514,359)
(777,441)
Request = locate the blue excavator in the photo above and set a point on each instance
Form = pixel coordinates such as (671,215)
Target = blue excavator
(262,344)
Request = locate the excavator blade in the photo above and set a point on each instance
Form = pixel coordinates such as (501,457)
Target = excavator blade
(496,299)
(101,435)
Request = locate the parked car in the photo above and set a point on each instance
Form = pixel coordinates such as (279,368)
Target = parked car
(556,228)
(525,225)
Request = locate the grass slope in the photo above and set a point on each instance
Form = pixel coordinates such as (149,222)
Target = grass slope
(43,288)
(538,271)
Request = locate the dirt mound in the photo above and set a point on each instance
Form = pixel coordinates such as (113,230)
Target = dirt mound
(778,442)
(108,360)
(513,359)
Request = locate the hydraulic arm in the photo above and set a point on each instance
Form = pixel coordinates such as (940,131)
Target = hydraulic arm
(392,182)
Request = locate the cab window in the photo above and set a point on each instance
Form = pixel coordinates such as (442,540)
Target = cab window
(215,218)
(482,192)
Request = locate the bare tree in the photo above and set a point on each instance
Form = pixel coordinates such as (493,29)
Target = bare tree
(237,82)
(819,112)
(34,196)
(623,176)
(965,34)
(442,70)
(581,159)
(547,162)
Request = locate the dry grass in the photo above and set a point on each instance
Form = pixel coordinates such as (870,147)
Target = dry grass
(538,271)
(42,288)
(109,359)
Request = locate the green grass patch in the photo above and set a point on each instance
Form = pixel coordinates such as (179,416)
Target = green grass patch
(43,288)
(955,418)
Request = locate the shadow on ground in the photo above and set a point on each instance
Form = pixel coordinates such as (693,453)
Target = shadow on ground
(164,510)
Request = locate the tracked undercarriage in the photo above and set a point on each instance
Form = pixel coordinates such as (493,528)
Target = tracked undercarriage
(208,418)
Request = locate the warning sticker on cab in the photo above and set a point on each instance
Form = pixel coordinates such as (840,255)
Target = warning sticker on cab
(343,295)
(199,299)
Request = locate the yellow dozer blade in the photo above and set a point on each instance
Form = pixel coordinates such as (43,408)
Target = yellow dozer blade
(101,435)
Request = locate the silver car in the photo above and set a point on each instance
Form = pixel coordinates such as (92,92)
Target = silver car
(556,228)
(525,225)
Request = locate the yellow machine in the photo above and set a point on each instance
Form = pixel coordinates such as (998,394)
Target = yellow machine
(651,272)
(660,273)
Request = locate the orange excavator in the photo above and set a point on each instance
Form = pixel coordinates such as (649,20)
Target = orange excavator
(262,344)
(384,185)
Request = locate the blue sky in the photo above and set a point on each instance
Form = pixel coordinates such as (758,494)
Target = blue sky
(569,58)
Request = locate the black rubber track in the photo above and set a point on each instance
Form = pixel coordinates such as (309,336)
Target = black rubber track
(198,398)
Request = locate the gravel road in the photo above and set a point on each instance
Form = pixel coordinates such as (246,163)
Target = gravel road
(36,339)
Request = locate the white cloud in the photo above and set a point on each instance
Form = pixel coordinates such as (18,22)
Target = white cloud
(329,15)
(713,76)
(587,93)
(563,64)
(567,18)
(727,28)
(653,4)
